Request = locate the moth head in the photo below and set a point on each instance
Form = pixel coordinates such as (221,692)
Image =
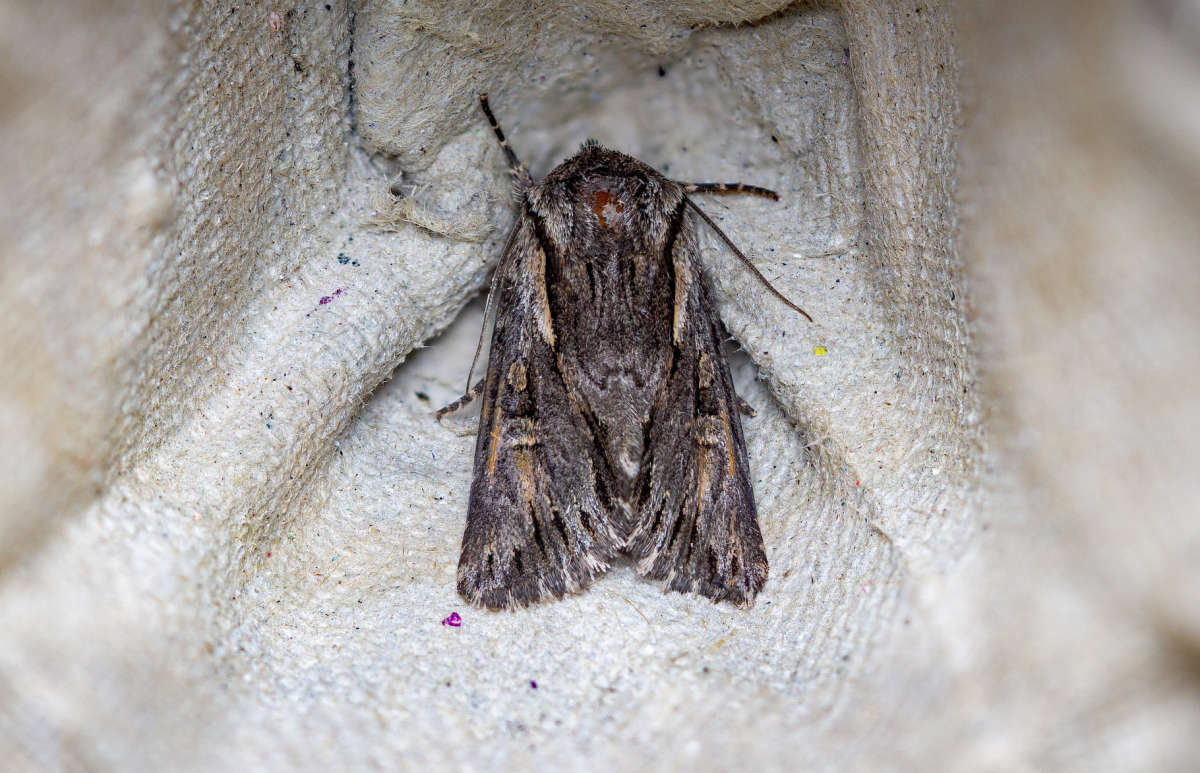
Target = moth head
(608,197)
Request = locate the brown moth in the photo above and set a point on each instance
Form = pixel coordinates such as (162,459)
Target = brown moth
(609,424)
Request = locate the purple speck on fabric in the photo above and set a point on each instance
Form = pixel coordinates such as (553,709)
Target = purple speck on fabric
(533,684)
(454,621)
(324,300)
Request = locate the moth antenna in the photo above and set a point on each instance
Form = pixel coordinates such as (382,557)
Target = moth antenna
(755,190)
(515,167)
(490,304)
(742,257)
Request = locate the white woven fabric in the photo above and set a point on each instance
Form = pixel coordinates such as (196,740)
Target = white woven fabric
(229,523)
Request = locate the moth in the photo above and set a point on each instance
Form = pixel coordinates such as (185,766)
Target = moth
(608,424)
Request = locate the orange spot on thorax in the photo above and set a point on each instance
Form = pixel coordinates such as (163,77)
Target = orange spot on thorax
(605,205)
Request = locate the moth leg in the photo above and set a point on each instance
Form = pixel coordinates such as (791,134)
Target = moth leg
(745,408)
(755,190)
(463,401)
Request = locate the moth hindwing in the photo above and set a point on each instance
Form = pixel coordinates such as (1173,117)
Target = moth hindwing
(608,423)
